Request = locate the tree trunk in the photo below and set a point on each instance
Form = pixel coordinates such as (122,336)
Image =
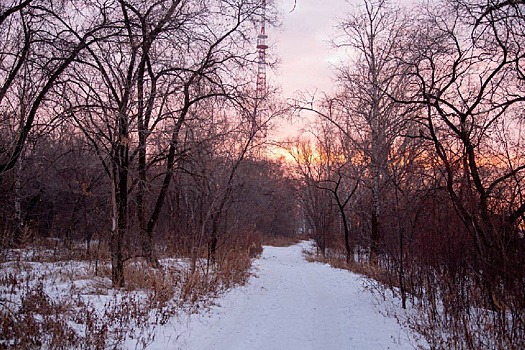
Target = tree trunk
(348,246)
(19,220)
(120,201)
(120,208)
(148,243)
(401,253)
(375,234)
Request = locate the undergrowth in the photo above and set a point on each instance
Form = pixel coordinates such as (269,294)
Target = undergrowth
(444,310)
(51,302)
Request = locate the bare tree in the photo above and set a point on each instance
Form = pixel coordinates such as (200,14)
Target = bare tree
(373,33)
(467,77)
(41,41)
(332,167)
(171,58)
(363,109)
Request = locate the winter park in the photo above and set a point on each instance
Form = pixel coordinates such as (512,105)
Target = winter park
(262,174)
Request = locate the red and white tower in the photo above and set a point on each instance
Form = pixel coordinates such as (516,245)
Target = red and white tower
(261,49)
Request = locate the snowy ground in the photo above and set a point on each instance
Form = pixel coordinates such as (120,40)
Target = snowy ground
(291,304)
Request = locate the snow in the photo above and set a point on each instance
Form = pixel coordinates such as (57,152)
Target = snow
(290,304)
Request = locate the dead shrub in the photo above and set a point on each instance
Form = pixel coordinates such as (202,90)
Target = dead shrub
(281,241)
(30,318)
(195,286)
(36,323)
(160,284)
(449,306)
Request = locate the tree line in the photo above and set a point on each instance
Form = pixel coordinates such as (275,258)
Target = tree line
(415,164)
(136,123)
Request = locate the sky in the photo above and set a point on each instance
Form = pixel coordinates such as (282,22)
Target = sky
(302,44)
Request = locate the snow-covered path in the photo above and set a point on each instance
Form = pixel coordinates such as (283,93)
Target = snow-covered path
(292,304)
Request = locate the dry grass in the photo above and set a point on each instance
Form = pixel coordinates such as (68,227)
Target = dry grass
(444,312)
(337,259)
(57,303)
(55,250)
(281,241)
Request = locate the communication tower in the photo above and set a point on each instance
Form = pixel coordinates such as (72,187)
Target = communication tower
(261,49)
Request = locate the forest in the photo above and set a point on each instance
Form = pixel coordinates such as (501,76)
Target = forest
(135,155)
